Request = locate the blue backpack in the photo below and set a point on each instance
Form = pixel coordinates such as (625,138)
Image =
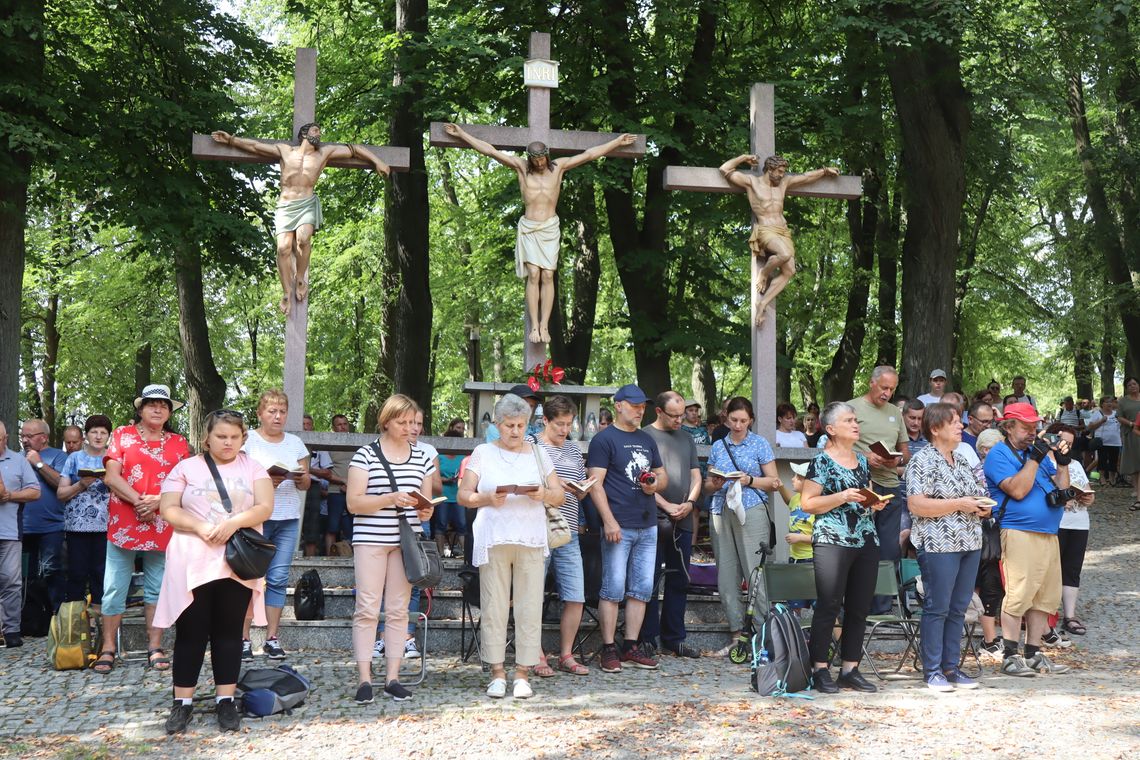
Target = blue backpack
(268,691)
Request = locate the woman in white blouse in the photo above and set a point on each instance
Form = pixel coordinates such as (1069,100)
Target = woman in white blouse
(510,541)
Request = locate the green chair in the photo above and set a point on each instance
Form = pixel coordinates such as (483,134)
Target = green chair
(787,582)
(902,627)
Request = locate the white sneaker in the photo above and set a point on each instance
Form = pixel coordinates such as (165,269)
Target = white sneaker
(378,650)
(497,689)
(410,650)
(522,689)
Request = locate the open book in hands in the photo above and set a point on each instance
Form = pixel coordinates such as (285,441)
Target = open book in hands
(880,449)
(873,499)
(423,502)
(734,475)
(579,487)
(524,488)
(91,472)
(285,470)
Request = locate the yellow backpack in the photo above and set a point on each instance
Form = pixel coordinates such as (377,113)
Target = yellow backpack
(69,637)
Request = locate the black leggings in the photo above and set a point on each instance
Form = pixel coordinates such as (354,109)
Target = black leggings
(216,617)
(1073,543)
(843,577)
(990,590)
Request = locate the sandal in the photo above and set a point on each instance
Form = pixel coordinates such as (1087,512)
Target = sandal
(1074,625)
(157,659)
(1135,507)
(568,664)
(102,666)
(543,669)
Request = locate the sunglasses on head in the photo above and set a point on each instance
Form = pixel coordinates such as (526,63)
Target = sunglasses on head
(220,413)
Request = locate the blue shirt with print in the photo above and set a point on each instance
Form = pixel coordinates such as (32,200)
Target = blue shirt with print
(625,456)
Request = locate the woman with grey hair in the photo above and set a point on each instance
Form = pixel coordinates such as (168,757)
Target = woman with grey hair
(845,548)
(511,482)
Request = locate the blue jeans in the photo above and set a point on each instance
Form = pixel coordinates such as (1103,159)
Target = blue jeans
(340,519)
(283,533)
(568,575)
(674,547)
(45,560)
(449,513)
(888,524)
(117,577)
(948,579)
(628,565)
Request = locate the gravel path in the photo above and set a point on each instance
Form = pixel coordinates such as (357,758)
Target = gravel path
(690,708)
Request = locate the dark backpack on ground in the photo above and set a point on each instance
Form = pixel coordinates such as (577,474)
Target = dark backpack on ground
(268,691)
(309,597)
(37,613)
(787,668)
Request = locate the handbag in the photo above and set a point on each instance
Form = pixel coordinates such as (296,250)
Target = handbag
(557,529)
(248,553)
(422,564)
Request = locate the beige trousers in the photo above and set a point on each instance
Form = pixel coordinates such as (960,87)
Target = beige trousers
(735,547)
(523,568)
(379,577)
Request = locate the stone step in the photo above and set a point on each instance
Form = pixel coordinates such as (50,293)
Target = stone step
(443,637)
(448,605)
(338,572)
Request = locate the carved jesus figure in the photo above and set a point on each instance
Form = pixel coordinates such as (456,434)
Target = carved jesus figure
(536,247)
(298,213)
(771,242)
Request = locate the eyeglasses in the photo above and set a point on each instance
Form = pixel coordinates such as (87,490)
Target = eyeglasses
(29,436)
(680,416)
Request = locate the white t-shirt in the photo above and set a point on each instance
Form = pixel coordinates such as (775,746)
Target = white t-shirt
(1109,432)
(927,399)
(521,520)
(1076,517)
(383,526)
(431,451)
(290,450)
(791,439)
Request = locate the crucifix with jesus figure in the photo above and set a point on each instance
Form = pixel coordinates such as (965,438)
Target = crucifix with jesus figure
(298,212)
(773,254)
(540,181)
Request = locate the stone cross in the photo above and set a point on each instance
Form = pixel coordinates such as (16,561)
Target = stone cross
(304,112)
(762,122)
(540,76)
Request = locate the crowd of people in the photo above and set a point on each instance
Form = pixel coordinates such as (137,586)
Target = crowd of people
(987,494)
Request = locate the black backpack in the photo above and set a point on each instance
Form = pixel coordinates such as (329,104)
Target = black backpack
(37,614)
(309,597)
(787,668)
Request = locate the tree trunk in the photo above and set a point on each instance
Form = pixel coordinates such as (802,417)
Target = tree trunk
(704,384)
(1108,352)
(51,356)
(27,365)
(934,121)
(572,335)
(408,307)
(1083,368)
(888,253)
(784,364)
(142,366)
(1106,232)
(24,59)
(471,321)
(207,388)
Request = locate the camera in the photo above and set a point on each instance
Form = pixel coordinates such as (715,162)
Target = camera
(1052,439)
(647,478)
(1059,497)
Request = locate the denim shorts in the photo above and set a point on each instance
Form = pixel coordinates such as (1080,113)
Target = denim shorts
(568,575)
(628,565)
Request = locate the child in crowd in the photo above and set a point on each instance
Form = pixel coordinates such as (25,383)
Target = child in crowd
(800,526)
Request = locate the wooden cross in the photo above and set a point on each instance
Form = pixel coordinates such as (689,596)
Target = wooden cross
(559,141)
(304,112)
(762,123)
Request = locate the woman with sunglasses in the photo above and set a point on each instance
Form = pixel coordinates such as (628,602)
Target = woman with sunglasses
(200,594)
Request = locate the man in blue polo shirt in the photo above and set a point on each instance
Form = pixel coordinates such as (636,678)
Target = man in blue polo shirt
(1020,477)
(43,518)
(18,485)
(628,467)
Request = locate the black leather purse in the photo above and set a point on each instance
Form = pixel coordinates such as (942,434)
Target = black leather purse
(248,553)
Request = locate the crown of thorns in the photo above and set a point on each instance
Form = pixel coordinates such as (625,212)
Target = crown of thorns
(535,152)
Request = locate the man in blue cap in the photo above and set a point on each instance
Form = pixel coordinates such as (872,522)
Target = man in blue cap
(627,464)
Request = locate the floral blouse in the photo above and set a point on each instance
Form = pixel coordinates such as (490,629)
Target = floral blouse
(145,465)
(86,512)
(850,524)
(929,474)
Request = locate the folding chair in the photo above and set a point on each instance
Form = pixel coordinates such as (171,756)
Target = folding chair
(785,583)
(421,619)
(469,578)
(891,627)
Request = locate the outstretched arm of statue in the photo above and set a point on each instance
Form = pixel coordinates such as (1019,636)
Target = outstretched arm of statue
(486,148)
(795,180)
(269,150)
(729,167)
(355,150)
(597,151)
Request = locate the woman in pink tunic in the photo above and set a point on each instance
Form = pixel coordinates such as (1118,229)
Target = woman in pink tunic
(200,594)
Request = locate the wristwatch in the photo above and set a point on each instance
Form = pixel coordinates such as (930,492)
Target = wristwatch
(39,465)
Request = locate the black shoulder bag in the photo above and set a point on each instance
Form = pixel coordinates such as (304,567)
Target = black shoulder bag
(248,553)
(422,565)
(765,549)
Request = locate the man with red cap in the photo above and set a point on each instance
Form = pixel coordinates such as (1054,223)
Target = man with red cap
(1023,480)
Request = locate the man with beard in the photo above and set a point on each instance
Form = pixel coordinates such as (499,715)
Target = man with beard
(770,240)
(298,213)
(536,248)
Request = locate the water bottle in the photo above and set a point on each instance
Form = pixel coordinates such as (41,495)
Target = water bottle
(763,656)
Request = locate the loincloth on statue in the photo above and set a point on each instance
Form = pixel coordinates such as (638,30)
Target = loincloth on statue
(292,214)
(537,244)
(762,234)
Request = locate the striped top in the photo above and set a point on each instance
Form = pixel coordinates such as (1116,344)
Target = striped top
(570,465)
(383,527)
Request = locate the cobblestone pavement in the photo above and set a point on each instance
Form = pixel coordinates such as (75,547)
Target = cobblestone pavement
(691,708)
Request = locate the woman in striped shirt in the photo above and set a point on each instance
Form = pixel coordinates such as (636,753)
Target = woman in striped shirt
(376,502)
